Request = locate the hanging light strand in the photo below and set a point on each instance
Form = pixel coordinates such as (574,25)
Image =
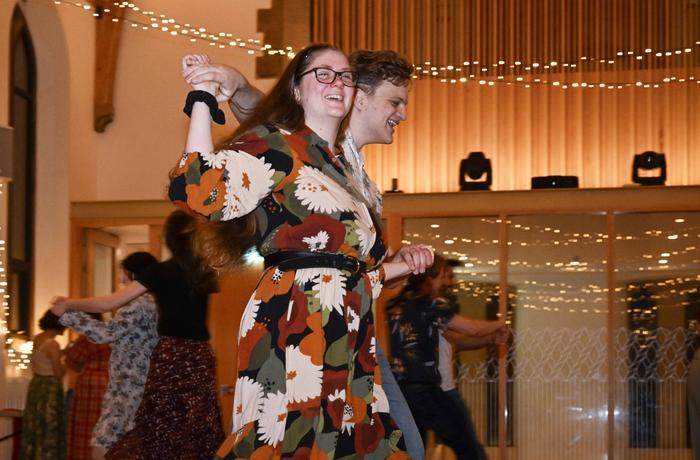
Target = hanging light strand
(469,71)
(500,66)
(18,355)
(150,20)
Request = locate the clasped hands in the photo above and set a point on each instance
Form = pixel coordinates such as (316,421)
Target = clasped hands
(58,305)
(220,80)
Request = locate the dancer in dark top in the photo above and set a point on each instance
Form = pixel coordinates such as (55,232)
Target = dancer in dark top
(180,387)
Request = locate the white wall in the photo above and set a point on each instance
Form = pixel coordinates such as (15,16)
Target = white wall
(131,159)
(53,102)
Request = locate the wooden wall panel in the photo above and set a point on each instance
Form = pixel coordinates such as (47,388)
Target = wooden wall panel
(543,129)
(590,133)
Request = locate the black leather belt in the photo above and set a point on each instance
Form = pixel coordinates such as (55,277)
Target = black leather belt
(295,260)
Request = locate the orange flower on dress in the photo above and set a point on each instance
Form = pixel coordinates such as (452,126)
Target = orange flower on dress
(263,453)
(208,196)
(314,344)
(274,282)
(299,147)
(185,162)
(359,409)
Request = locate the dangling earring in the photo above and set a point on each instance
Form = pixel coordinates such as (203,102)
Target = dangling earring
(297,96)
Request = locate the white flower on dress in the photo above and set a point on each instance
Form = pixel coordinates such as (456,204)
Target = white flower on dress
(303,377)
(214,160)
(380,403)
(317,242)
(304,275)
(376,283)
(249,181)
(365,230)
(353,320)
(319,193)
(249,315)
(273,418)
(330,285)
(337,395)
(247,402)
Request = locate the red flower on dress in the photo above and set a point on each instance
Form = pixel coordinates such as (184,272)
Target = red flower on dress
(317,233)
(296,322)
(250,143)
(367,436)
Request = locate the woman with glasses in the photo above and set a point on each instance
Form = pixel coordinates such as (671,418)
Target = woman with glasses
(308,382)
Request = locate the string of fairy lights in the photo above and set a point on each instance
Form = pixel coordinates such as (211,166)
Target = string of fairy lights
(19,357)
(526,74)
(552,296)
(591,298)
(477,71)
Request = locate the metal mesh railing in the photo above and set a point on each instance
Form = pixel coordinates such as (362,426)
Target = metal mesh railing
(558,394)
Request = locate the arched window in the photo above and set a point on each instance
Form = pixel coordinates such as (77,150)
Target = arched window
(21,194)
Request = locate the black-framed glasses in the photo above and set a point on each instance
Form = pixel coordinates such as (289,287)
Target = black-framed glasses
(327,76)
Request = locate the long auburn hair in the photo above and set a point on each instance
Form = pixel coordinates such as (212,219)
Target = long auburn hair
(180,231)
(223,243)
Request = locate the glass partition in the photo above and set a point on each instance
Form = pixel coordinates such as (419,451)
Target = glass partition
(558,276)
(563,351)
(474,243)
(656,297)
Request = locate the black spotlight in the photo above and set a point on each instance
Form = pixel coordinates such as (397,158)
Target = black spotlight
(554,182)
(649,161)
(473,168)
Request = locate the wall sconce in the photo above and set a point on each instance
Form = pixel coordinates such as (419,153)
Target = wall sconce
(554,182)
(473,168)
(649,161)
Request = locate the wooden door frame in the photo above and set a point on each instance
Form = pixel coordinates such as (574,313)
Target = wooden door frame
(86,216)
(91,237)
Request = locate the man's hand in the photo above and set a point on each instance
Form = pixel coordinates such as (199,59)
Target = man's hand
(501,335)
(229,79)
(58,305)
(192,62)
(418,257)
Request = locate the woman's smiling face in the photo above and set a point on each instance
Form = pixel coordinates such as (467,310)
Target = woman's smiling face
(322,100)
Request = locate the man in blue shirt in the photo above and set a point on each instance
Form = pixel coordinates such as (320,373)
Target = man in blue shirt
(417,318)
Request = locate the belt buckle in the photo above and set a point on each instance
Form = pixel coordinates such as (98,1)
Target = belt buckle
(356,268)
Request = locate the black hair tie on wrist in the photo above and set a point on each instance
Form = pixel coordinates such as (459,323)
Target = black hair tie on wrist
(202,96)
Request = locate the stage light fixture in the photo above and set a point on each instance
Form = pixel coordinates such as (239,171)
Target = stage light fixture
(471,171)
(649,161)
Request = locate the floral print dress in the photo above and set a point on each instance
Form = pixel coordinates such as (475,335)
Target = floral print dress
(133,335)
(308,382)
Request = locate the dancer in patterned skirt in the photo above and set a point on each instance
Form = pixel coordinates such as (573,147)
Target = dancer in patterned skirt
(91,362)
(132,334)
(44,418)
(179,414)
